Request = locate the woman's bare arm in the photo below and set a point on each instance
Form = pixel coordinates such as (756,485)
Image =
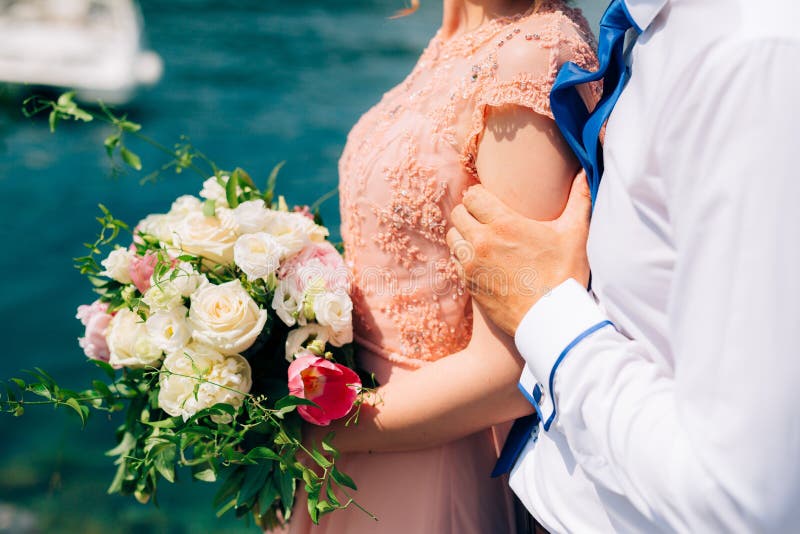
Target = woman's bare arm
(523,159)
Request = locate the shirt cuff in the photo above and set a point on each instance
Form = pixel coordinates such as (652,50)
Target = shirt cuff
(551,326)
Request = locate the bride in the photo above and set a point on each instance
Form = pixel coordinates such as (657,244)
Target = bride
(475,108)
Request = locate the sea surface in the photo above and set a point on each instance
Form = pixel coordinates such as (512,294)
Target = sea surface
(251,83)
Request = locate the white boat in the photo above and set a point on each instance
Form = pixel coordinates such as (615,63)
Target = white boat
(93,46)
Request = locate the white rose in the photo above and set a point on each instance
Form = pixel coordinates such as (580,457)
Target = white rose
(209,237)
(170,331)
(258,255)
(225,317)
(184,279)
(117,265)
(294,231)
(129,343)
(209,378)
(335,310)
(252,216)
(299,337)
(165,296)
(288,302)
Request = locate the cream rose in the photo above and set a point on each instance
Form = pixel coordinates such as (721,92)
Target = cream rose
(209,237)
(225,317)
(208,378)
(129,344)
(258,255)
(335,310)
(117,265)
(170,331)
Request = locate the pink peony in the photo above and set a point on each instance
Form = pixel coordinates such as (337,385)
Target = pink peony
(95,318)
(141,270)
(333,387)
(318,260)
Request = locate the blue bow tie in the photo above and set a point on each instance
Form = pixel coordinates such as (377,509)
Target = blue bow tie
(581,129)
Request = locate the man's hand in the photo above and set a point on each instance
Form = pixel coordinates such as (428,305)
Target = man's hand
(509,261)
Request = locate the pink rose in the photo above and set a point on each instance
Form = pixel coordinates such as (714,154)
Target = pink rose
(141,270)
(318,260)
(333,387)
(95,318)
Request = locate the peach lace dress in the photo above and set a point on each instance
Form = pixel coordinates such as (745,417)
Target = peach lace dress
(405,167)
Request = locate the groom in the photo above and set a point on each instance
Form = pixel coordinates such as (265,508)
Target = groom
(669,396)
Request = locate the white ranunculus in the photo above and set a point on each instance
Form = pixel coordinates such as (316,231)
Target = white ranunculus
(258,255)
(208,378)
(212,238)
(335,310)
(164,296)
(294,231)
(117,265)
(226,317)
(252,216)
(288,302)
(170,331)
(183,277)
(129,343)
(298,338)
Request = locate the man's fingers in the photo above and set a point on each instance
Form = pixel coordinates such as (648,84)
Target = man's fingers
(483,205)
(579,203)
(464,222)
(460,247)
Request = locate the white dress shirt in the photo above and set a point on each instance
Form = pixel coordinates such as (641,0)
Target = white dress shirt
(684,415)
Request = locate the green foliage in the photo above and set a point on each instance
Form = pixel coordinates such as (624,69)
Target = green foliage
(256,451)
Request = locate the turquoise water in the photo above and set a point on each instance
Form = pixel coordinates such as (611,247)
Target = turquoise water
(251,82)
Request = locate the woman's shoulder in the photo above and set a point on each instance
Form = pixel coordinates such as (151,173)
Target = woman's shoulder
(541,42)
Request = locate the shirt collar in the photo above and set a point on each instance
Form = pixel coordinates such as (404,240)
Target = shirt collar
(644,11)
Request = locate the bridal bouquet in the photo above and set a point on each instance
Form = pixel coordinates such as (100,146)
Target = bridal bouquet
(219,325)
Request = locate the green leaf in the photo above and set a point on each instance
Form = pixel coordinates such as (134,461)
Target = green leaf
(342,479)
(286,489)
(290,401)
(254,480)
(231,190)
(243,177)
(206,475)
(52,119)
(320,459)
(127,443)
(19,382)
(101,388)
(164,461)
(263,453)
(130,158)
(82,411)
(272,181)
(111,142)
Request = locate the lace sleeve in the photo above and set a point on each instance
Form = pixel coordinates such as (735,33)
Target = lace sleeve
(522,69)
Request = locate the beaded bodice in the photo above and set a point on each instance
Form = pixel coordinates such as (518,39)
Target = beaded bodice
(409,159)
